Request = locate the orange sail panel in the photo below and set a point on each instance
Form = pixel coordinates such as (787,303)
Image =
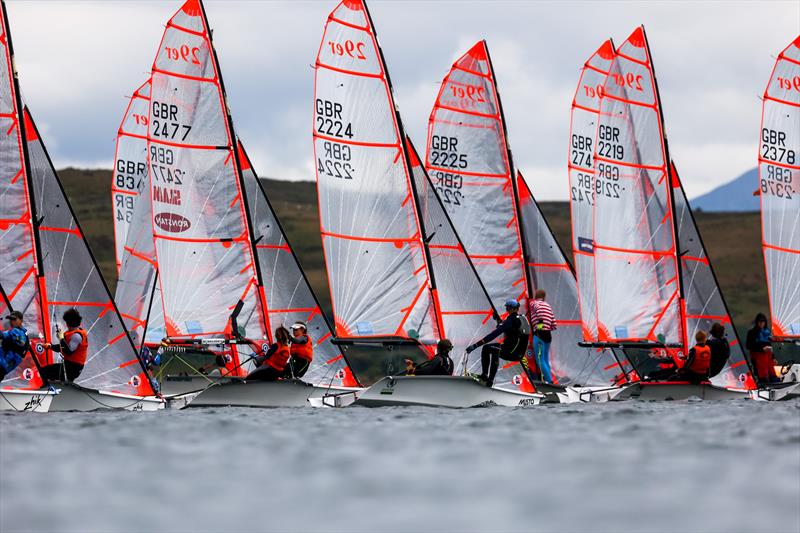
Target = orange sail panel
(638,288)
(130,165)
(469,163)
(377,268)
(199,220)
(779,175)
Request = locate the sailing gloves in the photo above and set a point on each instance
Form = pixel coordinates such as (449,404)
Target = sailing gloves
(472,347)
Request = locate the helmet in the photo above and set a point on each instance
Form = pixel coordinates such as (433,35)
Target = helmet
(444,345)
(512,303)
(298,325)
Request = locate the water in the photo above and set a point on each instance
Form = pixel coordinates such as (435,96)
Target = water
(628,466)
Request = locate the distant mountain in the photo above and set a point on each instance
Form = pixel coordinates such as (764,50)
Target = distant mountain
(736,195)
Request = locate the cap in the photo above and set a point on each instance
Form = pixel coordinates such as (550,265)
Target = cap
(512,303)
(299,324)
(15,314)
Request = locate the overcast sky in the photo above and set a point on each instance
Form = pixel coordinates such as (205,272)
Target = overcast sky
(78,60)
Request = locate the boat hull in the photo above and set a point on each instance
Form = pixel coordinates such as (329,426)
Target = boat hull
(590,394)
(174,385)
(32,401)
(440,391)
(656,391)
(282,393)
(779,393)
(73,397)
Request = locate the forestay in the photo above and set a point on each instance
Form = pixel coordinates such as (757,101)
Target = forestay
(130,166)
(570,364)
(287,291)
(466,310)
(779,174)
(583,127)
(378,273)
(199,219)
(469,163)
(704,304)
(638,294)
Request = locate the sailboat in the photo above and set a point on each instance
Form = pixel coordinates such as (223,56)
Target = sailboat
(50,268)
(505,232)
(399,277)
(226,275)
(653,285)
(779,175)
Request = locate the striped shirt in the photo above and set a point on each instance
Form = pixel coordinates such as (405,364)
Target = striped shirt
(541,312)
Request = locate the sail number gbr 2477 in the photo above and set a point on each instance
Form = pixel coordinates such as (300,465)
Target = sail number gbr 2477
(165,123)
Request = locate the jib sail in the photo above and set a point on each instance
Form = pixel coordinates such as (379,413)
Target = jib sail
(779,175)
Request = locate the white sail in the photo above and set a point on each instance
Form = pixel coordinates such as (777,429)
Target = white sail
(779,175)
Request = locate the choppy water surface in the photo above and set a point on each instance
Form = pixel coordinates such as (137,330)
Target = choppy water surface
(633,466)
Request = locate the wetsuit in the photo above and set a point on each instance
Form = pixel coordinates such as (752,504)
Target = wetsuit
(302,353)
(13,347)
(757,342)
(439,365)
(515,343)
(720,353)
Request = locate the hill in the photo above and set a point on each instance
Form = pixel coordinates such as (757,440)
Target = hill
(734,196)
(733,239)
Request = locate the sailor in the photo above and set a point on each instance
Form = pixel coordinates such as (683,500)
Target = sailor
(439,365)
(272,364)
(73,345)
(302,351)
(543,323)
(720,349)
(695,370)
(759,344)
(13,344)
(516,331)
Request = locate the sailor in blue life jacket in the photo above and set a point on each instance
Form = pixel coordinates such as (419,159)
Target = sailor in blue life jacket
(516,331)
(14,344)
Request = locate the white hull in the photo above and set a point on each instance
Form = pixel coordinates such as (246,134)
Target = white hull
(776,394)
(655,391)
(173,386)
(282,393)
(34,401)
(590,394)
(440,391)
(72,397)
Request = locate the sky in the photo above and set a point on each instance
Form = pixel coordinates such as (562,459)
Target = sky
(79,60)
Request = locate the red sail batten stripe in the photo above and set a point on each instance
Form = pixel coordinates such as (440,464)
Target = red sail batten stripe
(465,112)
(357,143)
(350,72)
(779,248)
(367,239)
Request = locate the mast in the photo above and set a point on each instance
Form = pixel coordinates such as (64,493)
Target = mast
(237,163)
(21,124)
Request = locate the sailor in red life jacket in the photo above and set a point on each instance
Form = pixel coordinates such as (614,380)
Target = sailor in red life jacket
(272,364)
(302,351)
(695,369)
(73,345)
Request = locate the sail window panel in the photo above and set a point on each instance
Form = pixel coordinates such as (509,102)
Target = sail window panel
(185,54)
(351,49)
(375,284)
(466,143)
(469,92)
(364,191)
(354,109)
(185,112)
(629,134)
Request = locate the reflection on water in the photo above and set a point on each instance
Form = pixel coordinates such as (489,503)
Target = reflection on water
(633,466)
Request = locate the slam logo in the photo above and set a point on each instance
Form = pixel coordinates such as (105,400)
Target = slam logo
(172,222)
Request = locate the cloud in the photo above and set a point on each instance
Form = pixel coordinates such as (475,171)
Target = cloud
(78,61)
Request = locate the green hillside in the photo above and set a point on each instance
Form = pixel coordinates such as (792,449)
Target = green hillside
(732,239)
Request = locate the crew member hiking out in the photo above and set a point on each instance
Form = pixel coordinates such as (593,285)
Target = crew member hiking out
(720,349)
(516,331)
(759,344)
(698,362)
(439,365)
(13,344)
(272,364)
(73,345)
(302,351)
(543,323)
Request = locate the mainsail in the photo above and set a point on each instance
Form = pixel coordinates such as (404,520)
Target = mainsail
(379,274)
(779,174)
(203,239)
(638,288)
(703,301)
(61,272)
(130,165)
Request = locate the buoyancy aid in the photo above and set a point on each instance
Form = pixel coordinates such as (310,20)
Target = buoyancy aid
(702,359)
(278,359)
(78,356)
(304,351)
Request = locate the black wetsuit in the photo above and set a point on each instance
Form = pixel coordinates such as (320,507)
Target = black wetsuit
(515,343)
(439,365)
(720,352)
